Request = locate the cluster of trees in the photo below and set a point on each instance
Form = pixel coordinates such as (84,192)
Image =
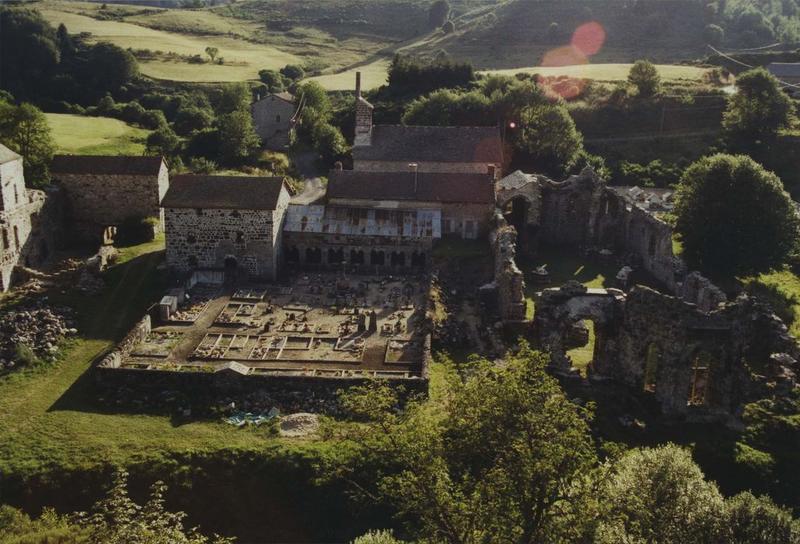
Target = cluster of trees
(42,64)
(541,131)
(24,129)
(280,80)
(502,455)
(315,129)
(116,519)
(753,23)
(410,77)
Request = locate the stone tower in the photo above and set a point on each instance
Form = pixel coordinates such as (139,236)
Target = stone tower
(363,117)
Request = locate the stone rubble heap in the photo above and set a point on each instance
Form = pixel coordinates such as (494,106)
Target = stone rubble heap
(41,329)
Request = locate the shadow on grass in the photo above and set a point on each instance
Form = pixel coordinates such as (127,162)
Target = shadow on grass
(103,320)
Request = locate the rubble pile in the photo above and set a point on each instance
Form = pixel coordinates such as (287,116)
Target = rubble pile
(41,329)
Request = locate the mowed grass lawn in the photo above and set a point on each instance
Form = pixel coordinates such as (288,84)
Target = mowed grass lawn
(48,416)
(243,59)
(80,135)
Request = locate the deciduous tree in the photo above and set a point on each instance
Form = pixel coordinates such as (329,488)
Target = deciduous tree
(24,129)
(734,216)
(644,76)
(758,110)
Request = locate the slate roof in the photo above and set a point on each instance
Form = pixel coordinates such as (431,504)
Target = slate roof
(224,192)
(106,165)
(784,69)
(430,187)
(432,144)
(6,155)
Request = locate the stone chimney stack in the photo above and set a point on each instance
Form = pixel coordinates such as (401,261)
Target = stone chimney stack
(364,109)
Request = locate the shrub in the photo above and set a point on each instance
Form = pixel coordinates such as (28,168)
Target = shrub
(25,356)
(153,119)
(137,230)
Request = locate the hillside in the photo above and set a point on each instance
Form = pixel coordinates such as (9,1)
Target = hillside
(521,32)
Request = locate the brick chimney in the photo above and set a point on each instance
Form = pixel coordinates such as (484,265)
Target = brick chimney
(364,109)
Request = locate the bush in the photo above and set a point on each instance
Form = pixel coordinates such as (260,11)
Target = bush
(293,72)
(25,356)
(137,230)
(202,165)
(132,112)
(153,119)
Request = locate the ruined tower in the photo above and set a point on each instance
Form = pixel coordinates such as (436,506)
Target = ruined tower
(364,109)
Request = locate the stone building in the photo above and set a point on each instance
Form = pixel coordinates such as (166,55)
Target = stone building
(387,219)
(274,119)
(391,148)
(226,222)
(26,234)
(105,191)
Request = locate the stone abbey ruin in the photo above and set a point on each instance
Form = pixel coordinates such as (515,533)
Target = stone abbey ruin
(272,291)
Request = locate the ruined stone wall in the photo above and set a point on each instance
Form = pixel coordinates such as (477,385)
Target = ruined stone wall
(204,238)
(427,167)
(663,346)
(468,221)
(272,119)
(643,240)
(12,185)
(29,233)
(568,209)
(509,280)
(94,202)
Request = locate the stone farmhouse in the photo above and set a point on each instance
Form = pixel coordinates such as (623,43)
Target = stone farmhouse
(102,192)
(391,148)
(225,222)
(26,238)
(274,117)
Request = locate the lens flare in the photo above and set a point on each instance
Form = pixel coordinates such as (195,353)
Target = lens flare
(589,38)
(567,55)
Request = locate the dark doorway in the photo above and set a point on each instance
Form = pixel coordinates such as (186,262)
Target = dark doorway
(418,259)
(356,257)
(398,259)
(377,258)
(292,255)
(313,256)
(231,269)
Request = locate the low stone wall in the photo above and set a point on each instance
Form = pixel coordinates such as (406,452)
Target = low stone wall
(137,335)
(204,390)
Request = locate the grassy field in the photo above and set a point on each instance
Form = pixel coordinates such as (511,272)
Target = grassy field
(243,59)
(607,72)
(47,416)
(374,74)
(79,135)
